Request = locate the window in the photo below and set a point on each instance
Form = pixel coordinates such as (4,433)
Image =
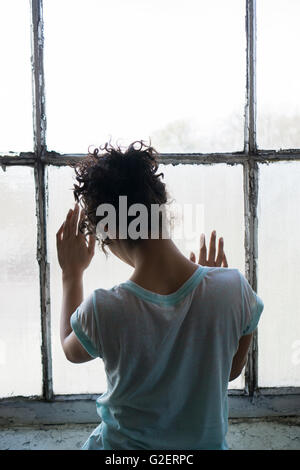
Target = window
(218,100)
(147,68)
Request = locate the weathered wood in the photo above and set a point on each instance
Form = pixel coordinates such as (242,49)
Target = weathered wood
(250,104)
(251,184)
(40,175)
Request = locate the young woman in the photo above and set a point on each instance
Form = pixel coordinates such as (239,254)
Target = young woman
(172,336)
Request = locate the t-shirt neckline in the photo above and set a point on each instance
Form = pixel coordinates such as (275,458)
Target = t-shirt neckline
(166,299)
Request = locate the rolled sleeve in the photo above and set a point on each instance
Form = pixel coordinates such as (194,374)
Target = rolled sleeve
(252,307)
(84,324)
(82,336)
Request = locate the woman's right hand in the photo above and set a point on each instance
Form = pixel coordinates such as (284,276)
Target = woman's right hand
(211,261)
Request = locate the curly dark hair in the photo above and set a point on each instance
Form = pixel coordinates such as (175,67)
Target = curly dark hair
(107,173)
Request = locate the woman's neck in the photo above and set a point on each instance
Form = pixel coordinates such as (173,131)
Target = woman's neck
(160,267)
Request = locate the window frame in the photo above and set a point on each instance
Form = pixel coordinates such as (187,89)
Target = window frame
(268,401)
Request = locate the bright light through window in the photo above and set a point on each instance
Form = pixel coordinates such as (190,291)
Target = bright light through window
(15,78)
(278,74)
(173,72)
(169,70)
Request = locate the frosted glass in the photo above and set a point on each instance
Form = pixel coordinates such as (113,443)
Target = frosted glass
(279,274)
(15,78)
(173,71)
(278,74)
(219,189)
(20,332)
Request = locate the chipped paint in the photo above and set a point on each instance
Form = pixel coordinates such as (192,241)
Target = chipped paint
(38,83)
(250,243)
(234,158)
(251,185)
(41,189)
(250,105)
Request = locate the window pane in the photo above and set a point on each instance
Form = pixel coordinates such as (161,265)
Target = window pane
(173,71)
(67,377)
(20,331)
(15,77)
(218,189)
(222,210)
(279,274)
(278,74)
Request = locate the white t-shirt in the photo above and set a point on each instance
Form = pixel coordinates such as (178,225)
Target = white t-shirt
(167,359)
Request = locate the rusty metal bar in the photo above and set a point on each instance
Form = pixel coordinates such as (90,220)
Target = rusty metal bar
(40,175)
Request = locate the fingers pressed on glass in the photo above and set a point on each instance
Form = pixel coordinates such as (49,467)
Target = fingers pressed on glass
(202,255)
(74,219)
(225,263)
(212,249)
(81,217)
(59,232)
(67,224)
(91,243)
(220,252)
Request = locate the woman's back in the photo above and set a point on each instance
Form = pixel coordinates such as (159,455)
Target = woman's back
(170,337)
(167,359)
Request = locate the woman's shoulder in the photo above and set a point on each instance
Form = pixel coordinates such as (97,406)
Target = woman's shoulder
(226,277)
(219,272)
(111,304)
(114,294)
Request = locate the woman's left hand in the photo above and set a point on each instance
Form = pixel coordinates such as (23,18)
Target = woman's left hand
(212,260)
(74,254)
